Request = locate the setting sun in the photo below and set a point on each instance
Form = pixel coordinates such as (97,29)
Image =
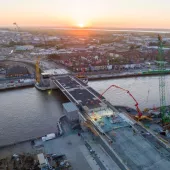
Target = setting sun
(81,25)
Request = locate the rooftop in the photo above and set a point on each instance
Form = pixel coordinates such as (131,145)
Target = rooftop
(70,107)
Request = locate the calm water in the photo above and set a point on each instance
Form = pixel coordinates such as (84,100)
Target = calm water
(144,89)
(29,113)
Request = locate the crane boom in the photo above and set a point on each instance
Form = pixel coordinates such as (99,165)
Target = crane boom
(16,26)
(19,32)
(128,92)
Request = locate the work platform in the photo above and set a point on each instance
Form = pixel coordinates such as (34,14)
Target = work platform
(91,102)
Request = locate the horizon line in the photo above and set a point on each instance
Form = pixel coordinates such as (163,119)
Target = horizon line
(75,27)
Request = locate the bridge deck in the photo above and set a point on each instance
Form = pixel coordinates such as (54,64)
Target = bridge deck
(135,151)
(78,92)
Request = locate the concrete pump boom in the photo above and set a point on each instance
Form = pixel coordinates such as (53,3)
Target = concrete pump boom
(128,92)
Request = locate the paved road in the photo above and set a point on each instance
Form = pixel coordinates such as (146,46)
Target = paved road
(137,152)
(94,155)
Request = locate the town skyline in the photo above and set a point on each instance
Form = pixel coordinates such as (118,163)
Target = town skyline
(81,13)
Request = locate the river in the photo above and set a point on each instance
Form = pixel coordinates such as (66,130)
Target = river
(144,89)
(29,113)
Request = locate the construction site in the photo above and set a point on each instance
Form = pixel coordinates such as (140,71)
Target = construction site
(92,132)
(123,128)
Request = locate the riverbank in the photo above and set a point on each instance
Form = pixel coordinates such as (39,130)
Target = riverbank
(32,105)
(122,75)
(18,84)
(90,77)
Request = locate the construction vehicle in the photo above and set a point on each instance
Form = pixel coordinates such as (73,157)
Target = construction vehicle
(161,63)
(139,116)
(165,115)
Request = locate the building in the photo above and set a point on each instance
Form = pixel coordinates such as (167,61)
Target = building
(17,71)
(71,111)
(47,74)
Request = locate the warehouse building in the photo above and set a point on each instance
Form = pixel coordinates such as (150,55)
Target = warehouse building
(17,71)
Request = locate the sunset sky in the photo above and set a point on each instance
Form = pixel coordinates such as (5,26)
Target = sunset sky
(90,13)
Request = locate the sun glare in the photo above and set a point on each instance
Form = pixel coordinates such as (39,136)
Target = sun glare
(81,25)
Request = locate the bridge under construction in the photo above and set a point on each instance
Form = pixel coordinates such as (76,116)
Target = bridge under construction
(118,134)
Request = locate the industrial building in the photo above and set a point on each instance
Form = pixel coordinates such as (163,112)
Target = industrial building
(71,111)
(16,71)
(47,74)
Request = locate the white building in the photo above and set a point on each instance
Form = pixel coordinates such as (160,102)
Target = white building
(24,47)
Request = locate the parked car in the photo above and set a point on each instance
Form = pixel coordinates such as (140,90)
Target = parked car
(48,137)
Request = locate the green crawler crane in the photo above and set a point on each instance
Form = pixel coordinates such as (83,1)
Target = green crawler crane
(165,115)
